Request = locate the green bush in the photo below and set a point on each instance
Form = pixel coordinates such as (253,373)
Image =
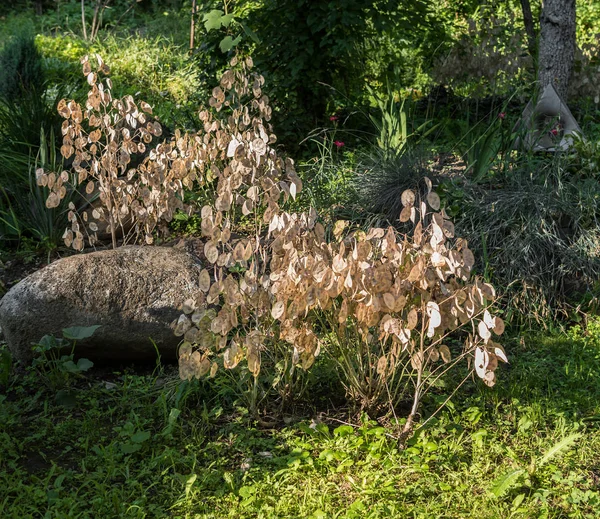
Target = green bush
(21,68)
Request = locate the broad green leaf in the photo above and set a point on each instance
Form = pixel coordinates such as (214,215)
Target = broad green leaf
(226,20)
(343,430)
(66,398)
(77,333)
(47,342)
(506,482)
(84,364)
(229,43)
(213,19)
(250,33)
(130,448)
(70,366)
(140,437)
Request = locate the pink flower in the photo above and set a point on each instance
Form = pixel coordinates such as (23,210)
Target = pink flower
(339,144)
(333,118)
(554,131)
(502,115)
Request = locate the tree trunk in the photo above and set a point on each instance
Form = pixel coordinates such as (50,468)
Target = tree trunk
(557,44)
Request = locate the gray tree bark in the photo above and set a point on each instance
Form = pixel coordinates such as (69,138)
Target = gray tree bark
(557,44)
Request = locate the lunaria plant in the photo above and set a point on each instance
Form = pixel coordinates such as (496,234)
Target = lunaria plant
(278,288)
(231,314)
(128,188)
(382,304)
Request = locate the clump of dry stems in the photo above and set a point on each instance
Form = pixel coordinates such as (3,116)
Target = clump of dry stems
(383,304)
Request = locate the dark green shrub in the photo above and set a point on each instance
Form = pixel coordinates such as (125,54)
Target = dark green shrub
(21,68)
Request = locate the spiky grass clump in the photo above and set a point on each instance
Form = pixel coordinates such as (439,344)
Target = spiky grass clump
(383,178)
(538,237)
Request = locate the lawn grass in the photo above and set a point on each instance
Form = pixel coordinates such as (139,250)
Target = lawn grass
(141,444)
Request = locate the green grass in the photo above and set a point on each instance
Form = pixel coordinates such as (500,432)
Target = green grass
(155,69)
(143,445)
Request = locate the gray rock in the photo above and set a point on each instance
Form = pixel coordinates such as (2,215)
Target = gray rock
(134,293)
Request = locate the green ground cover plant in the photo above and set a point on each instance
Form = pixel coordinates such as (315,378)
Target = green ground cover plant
(142,444)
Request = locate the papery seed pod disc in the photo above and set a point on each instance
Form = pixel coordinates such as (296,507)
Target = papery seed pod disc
(66,151)
(428,184)
(488,291)
(434,354)
(481,361)
(498,327)
(389,300)
(229,358)
(254,364)
(400,303)
(78,244)
(437,260)
(435,318)
(405,214)
(63,109)
(412,319)
(408,198)
(500,353)
(339,227)
(39,173)
(189,305)
(488,319)
(247,207)
(213,370)
(248,251)
(468,258)
(416,361)
(483,331)
(203,367)
(238,252)
(211,252)
(445,353)
(278,310)
(489,378)
(434,201)
(448,229)
(89,188)
(185,350)
(52,201)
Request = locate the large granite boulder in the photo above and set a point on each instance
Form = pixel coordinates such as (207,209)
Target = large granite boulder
(134,293)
